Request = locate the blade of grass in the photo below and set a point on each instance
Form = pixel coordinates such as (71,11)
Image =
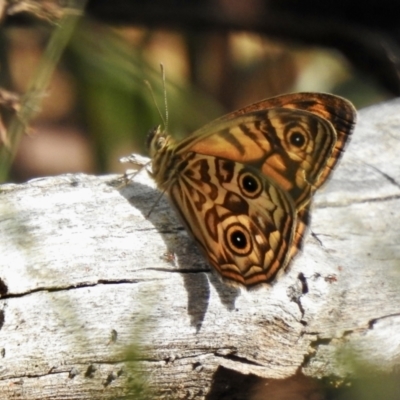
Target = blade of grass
(30,104)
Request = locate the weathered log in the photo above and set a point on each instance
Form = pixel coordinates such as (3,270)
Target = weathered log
(85,277)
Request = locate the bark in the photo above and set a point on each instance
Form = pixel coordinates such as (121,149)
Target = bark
(98,300)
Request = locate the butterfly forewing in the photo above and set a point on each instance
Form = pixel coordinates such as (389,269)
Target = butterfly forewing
(292,147)
(337,110)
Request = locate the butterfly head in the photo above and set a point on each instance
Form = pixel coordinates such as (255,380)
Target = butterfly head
(156,140)
(159,147)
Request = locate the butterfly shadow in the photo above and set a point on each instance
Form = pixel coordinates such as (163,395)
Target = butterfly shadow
(182,251)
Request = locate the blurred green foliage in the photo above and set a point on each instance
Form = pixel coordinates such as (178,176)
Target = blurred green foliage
(118,105)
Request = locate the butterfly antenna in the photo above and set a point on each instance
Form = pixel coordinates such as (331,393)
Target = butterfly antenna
(148,84)
(165,95)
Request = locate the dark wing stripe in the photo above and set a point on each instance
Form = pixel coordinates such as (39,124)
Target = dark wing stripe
(232,139)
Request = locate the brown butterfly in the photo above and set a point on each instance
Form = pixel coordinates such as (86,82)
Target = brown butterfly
(243,184)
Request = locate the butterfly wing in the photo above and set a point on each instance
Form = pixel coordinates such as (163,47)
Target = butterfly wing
(293,147)
(243,221)
(335,109)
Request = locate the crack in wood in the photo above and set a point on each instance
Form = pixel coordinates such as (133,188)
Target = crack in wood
(327,341)
(373,321)
(238,359)
(346,204)
(183,270)
(384,174)
(71,287)
(33,376)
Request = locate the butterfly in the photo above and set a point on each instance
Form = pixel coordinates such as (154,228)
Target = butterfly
(243,184)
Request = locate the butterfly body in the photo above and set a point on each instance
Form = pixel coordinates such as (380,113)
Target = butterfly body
(243,184)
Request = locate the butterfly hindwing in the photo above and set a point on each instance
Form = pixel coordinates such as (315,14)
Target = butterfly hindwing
(243,222)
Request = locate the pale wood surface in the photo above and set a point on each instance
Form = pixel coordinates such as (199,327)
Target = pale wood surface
(84,275)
